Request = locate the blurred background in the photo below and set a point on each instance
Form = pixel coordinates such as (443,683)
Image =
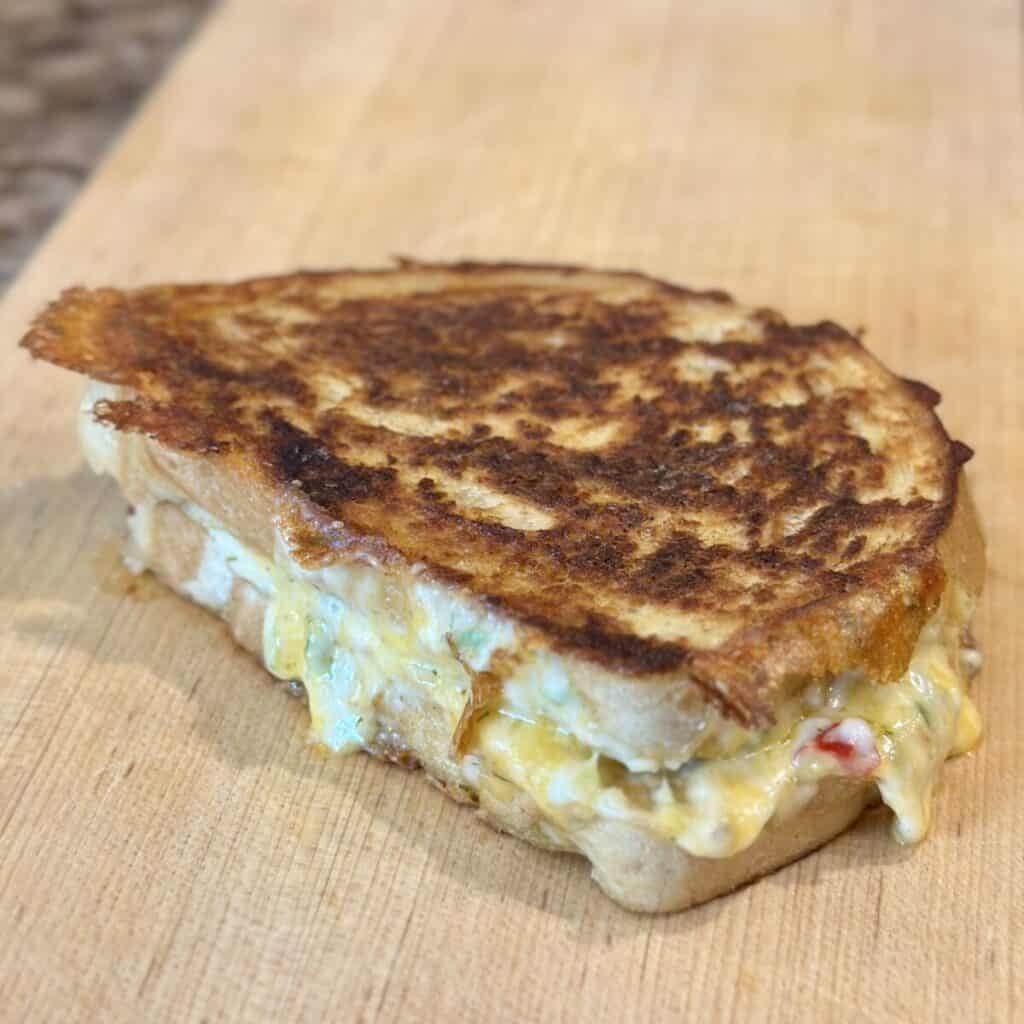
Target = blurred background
(71,71)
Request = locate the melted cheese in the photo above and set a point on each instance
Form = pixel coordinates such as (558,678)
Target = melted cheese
(366,634)
(717,804)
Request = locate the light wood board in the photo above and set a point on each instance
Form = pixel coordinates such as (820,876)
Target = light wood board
(170,849)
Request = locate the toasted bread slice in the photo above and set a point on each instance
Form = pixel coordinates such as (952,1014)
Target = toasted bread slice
(651,478)
(694,517)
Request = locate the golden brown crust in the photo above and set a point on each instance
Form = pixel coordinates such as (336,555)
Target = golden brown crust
(649,477)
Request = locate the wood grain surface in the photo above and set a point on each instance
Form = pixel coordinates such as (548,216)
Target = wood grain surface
(170,848)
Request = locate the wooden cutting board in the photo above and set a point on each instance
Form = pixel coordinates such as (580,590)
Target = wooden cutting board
(170,848)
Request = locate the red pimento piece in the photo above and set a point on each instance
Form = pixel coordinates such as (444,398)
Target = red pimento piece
(837,748)
(851,742)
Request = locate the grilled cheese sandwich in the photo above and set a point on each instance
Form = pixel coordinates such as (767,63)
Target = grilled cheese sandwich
(425,661)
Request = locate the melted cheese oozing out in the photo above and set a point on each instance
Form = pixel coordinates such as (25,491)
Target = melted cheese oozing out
(367,634)
(717,805)
(347,633)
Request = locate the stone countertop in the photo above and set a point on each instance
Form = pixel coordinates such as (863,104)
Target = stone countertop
(71,71)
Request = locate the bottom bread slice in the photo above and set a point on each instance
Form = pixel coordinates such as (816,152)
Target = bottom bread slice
(638,869)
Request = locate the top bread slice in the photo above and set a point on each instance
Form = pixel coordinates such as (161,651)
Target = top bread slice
(655,481)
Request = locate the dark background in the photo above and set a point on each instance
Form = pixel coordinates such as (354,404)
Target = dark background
(71,71)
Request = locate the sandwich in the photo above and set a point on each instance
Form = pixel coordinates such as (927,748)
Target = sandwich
(639,572)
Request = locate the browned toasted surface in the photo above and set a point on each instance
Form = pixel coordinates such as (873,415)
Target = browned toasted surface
(653,478)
